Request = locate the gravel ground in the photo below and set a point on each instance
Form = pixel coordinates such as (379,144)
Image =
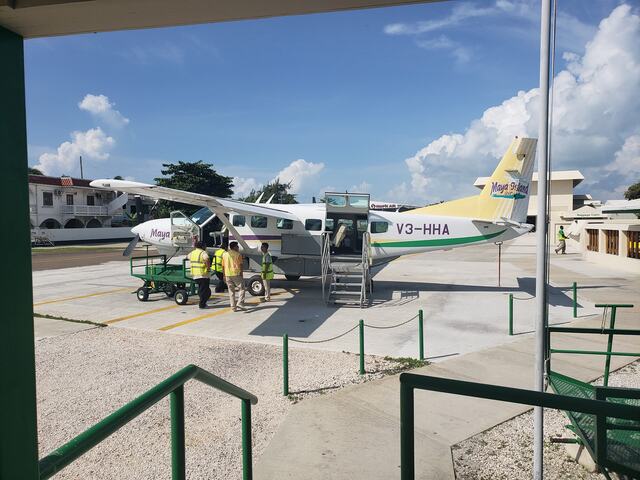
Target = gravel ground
(506,452)
(83,377)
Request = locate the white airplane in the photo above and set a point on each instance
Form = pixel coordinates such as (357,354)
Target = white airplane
(295,232)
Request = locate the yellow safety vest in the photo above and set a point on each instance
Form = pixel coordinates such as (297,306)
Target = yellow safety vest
(267,266)
(217,260)
(232,263)
(197,260)
(561,235)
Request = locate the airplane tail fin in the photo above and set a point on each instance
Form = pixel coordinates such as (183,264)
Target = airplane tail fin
(505,196)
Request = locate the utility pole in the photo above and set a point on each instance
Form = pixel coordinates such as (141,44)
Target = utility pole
(81,171)
(541,237)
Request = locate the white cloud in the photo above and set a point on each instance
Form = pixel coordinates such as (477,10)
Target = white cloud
(460,53)
(243,186)
(595,115)
(93,144)
(102,108)
(522,17)
(627,159)
(299,172)
(362,187)
(459,13)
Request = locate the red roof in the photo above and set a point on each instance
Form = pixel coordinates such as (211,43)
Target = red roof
(59,181)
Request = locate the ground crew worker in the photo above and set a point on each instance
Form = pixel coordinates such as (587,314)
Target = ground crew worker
(267,271)
(562,241)
(232,269)
(200,271)
(217,268)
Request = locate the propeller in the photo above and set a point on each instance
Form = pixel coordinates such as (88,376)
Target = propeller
(132,244)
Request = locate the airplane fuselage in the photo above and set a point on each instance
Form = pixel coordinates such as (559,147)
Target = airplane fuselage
(392,234)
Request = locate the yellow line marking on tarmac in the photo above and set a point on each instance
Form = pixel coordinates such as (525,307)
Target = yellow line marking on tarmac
(46,302)
(141,314)
(210,315)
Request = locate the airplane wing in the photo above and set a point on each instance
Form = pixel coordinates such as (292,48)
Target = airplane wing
(173,195)
(219,206)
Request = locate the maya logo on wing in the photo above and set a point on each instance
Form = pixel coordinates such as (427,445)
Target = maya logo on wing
(509,190)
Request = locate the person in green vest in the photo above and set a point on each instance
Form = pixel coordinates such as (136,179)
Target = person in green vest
(267,271)
(562,241)
(216,266)
(200,271)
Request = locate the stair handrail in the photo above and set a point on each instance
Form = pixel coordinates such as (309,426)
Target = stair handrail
(326,264)
(366,262)
(174,387)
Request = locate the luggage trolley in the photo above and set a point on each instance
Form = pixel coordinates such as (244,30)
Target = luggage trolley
(162,277)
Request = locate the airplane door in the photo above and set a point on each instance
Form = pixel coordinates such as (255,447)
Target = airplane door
(184,231)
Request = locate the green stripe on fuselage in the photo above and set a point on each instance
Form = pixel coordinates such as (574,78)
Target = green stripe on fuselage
(439,242)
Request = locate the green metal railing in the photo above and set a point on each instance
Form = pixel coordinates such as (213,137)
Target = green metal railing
(174,387)
(611,331)
(361,360)
(409,382)
(574,288)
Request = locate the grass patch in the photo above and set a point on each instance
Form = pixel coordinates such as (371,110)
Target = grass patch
(403,363)
(72,320)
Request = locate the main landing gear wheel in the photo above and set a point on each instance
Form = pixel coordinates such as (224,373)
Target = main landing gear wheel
(292,278)
(181,296)
(143,294)
(255,286)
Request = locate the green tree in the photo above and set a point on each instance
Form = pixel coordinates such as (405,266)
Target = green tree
(194,177)
(633,191)
(280,192)
(118,177)
(35,171)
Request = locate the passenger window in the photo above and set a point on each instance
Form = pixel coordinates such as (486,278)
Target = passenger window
(284,224)
(258,221)
(313,224)
(239,221)
(379,227)
(329,224)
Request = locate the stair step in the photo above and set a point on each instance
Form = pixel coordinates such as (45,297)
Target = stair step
(344,292)
(343,284)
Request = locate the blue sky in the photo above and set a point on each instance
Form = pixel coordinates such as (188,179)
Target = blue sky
(354,95)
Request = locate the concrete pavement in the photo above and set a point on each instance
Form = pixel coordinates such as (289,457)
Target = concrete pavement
(49,327)
(354,433)
(465,309)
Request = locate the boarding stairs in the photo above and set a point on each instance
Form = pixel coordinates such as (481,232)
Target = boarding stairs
(346,279)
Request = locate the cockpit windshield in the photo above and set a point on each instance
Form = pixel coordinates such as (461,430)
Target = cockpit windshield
(201,215)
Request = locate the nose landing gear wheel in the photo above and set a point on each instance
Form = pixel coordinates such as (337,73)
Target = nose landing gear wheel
(181,297)
(255,286)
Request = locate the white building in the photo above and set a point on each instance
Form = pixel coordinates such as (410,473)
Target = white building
(65,209)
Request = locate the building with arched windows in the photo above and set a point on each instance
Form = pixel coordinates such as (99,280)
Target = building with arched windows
(66,209)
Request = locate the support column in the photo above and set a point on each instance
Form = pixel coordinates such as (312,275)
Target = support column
(542,226)
(18,432)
